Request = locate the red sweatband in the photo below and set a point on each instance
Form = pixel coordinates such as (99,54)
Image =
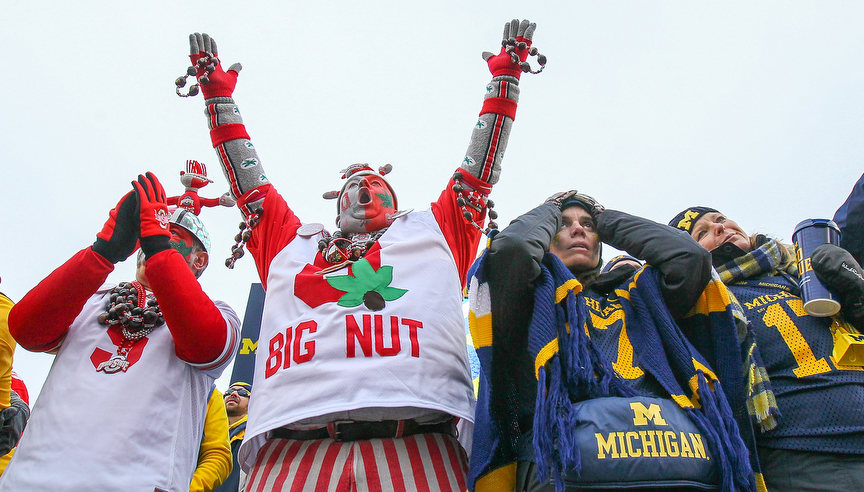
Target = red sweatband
(474,182)
(500,105)
(255,194)
(224,133)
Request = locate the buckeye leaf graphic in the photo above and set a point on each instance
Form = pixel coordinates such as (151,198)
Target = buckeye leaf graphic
(367,286)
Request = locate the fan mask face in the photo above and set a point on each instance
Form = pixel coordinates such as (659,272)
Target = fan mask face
(366,204)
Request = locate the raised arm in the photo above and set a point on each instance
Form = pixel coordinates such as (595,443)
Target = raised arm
(240,162)
(481,166)
(514,260)
(201,331)
(684,266)
(492,130)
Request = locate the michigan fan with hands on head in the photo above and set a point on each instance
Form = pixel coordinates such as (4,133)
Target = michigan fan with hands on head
(362,346)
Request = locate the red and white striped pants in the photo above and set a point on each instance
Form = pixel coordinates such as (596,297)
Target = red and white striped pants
(423,462)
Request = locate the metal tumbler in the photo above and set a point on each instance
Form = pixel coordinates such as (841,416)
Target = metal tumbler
(809,234)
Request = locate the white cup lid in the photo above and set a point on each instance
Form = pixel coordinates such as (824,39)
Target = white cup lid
(822,307)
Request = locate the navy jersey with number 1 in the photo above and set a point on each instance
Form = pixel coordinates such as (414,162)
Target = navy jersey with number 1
(820,400)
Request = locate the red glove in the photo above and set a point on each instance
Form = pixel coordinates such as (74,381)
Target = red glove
(518,33)
(218,83)
(153,216)
(119,236)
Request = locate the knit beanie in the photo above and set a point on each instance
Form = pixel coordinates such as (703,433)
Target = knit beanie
(688,218)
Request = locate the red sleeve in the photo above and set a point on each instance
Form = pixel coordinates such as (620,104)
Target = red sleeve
(461,235)
(196,324)
(19,387)
(41,319)
(277,228)
(208,202)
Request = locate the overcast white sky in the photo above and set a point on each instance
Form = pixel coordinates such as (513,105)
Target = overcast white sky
(755,108)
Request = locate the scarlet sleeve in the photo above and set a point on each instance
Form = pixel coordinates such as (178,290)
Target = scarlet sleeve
(199,330)
(461,235)
(41,319)
(277,228)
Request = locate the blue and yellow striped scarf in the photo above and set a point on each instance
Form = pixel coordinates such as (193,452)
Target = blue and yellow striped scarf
(569,369)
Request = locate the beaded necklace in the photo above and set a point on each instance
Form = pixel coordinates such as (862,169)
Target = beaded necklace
(352,246)
(137,313)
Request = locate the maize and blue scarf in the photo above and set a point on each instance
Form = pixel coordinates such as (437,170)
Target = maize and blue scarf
(569,369)
(769,259)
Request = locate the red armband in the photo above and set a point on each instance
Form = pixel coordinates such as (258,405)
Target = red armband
(476,183)
(254,195)
(224,133)
(500,105)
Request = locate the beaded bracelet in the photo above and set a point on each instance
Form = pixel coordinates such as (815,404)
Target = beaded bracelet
(470,198)
(510,47)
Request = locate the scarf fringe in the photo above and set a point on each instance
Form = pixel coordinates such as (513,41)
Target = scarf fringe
(717,423)
(555,447)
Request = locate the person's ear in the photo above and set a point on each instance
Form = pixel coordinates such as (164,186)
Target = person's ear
(200,261)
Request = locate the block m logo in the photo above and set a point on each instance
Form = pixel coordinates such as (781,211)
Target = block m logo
(641,414)
(248,346)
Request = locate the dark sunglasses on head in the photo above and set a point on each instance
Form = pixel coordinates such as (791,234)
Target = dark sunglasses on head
(241,392)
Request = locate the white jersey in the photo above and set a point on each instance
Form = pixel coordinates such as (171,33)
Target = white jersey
(390,334)
(137,429)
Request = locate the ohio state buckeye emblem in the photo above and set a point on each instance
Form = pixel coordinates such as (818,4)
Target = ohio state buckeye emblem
(163,218)
(128,352)
(115,364)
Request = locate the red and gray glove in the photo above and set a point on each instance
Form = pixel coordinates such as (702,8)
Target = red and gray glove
(217,83)
(119,236)
(153,217)
(519,34)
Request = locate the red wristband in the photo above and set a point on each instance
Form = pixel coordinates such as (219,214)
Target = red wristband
(474,182)
(500,105)
(224,133)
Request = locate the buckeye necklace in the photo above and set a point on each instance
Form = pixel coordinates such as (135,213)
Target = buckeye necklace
(137,313)
(341,246)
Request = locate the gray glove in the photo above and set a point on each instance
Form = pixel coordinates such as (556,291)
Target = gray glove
(565,199)
(12,423)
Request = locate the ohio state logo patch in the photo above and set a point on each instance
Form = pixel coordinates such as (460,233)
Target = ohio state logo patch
(121,359)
